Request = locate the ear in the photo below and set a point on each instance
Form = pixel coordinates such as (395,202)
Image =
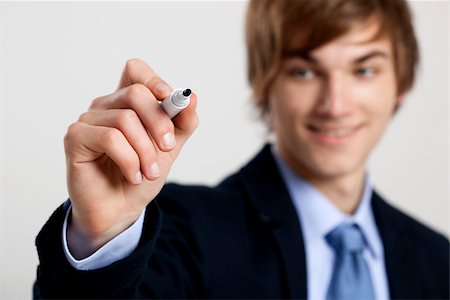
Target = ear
(398,102)
(400,99)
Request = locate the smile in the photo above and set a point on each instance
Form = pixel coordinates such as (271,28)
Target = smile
(333,135)
(337,132)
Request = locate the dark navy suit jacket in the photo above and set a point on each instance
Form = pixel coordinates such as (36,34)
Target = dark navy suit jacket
(240,239)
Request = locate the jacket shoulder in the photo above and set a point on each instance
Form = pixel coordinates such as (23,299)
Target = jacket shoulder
(408,239)
(407,224)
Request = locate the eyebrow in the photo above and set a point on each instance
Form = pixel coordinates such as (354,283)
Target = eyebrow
(311,59)
(370,55)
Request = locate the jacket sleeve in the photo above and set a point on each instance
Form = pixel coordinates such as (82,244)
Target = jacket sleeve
(164,265)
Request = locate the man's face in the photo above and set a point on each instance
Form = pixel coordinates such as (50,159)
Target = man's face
(330,107)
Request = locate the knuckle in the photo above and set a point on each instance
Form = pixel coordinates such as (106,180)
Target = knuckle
(110,136)
(95,103)
(125,117)
(83,117)
(135,93)
(72,132)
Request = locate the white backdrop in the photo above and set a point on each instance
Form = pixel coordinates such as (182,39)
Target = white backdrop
(57,57)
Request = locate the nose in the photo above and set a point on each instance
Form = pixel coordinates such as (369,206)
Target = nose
(335,100)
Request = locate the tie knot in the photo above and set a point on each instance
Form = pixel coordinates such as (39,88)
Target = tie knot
(346,238)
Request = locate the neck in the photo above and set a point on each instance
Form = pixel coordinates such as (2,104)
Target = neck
(344,190)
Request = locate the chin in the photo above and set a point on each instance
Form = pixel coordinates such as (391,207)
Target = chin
(323,165)
(330,174)
(330,170)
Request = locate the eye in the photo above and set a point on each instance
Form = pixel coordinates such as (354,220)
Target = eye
(303,73)
(365,72)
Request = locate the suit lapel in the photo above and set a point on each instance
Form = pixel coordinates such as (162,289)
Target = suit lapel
(265,188)
(401,265)
(268,193)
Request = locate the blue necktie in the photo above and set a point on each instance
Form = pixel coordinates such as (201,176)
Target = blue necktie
(351,277)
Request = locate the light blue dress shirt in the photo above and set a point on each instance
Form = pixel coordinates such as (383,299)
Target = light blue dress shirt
(317,216)
(116,249)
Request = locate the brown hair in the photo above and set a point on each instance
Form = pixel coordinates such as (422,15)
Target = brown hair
(272,24)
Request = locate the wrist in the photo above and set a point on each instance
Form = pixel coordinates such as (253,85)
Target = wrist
(84,240)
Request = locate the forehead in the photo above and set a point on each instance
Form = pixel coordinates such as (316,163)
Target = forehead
(361,37)
(357,42)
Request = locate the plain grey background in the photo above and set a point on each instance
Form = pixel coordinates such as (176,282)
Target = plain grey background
(57,57)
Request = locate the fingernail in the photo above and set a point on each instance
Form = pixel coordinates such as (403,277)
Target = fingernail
(168,140)
(154,169)
(162,88)
(138,177)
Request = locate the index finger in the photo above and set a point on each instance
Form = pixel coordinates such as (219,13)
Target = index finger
(137,71)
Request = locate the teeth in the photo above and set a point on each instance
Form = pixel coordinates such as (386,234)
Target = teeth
(336,132)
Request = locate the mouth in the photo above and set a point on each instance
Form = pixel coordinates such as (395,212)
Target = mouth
(333,135)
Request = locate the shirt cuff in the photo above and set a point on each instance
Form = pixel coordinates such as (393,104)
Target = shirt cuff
(119,247)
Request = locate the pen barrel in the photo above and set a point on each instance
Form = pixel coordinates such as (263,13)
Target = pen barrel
(175,102)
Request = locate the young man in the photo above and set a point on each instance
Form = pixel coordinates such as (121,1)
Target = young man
(298,221)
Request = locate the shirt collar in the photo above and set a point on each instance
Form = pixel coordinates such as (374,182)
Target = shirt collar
(319,216)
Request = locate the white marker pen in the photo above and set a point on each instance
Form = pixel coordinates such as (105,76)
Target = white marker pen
(177,101)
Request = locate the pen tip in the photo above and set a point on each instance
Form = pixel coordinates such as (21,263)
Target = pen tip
(187,92)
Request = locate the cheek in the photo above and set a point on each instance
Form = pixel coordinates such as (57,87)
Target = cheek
(291,102)
(285,115)
(378,99)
